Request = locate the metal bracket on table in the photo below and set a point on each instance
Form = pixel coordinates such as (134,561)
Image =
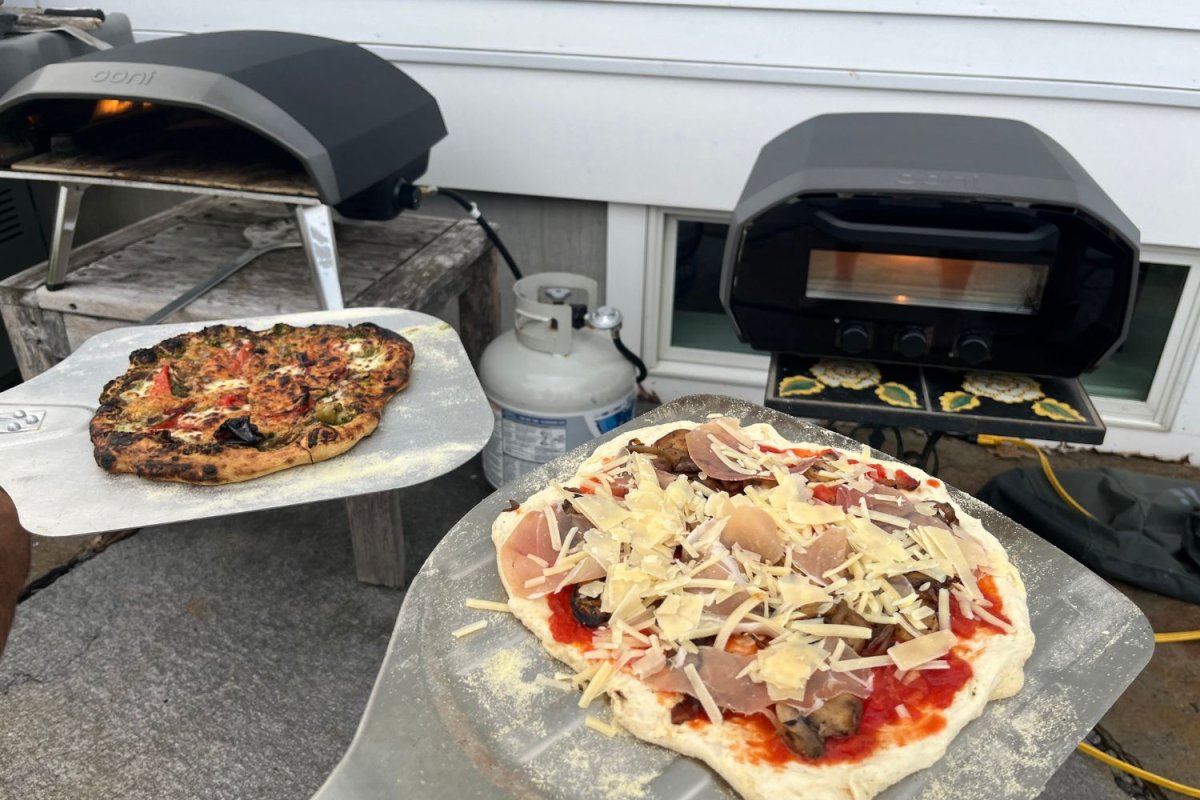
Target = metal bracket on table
(66,214)
(316,231)
(21,421)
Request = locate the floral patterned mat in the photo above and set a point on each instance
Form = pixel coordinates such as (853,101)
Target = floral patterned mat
(978,394)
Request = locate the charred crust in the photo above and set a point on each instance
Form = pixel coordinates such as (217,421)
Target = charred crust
(106,458)
(141,358)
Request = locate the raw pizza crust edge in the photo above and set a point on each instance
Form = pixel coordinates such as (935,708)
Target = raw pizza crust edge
(997,664)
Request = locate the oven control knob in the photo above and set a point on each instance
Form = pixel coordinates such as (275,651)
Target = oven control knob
(912,342)
(853,337)
(974,348)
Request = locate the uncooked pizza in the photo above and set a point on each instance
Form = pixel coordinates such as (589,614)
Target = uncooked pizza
(227,404)
(808,621)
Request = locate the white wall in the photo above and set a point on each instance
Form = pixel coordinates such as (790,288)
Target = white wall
(666,103)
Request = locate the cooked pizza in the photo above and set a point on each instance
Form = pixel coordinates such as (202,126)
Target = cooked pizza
(227,404)
(808,621)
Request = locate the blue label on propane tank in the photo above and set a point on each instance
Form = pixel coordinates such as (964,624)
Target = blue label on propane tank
(541,422)
(618,417)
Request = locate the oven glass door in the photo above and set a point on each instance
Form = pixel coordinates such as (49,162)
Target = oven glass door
(897,279)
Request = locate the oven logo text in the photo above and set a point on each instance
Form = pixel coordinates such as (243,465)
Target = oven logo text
(124,76)
(939,180)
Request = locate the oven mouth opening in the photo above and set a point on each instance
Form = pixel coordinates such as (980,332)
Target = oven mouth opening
(137,139)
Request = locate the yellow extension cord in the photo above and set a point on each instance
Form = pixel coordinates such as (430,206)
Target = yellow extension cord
(1177,636)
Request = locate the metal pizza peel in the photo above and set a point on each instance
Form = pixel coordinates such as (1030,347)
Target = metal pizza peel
(440,421)
(451,718)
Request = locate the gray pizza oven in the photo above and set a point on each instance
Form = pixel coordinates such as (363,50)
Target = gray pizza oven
(929,239)
(356,126)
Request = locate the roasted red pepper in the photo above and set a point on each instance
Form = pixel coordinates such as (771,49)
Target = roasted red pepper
(825,493)
(162,380)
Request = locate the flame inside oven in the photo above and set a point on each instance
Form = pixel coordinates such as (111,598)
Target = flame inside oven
(111,107)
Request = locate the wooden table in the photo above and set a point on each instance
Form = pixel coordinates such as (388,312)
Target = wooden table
(415,262)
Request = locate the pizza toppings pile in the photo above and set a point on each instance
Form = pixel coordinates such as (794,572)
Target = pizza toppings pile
(228,404)
(764,605)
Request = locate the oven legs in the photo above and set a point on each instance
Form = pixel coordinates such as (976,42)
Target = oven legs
(316,232)
(66,213)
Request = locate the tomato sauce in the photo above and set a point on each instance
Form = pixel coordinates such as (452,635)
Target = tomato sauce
(923,693)
(563,625)
(966,628)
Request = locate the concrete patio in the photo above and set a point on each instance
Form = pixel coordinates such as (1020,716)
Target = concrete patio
(232,658)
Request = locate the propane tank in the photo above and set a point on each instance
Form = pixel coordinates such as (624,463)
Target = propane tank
(556,380)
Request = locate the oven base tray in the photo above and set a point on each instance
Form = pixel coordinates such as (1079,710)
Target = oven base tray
(934,399)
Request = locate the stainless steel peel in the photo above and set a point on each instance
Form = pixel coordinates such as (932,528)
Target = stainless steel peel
(456,719)
(438,422)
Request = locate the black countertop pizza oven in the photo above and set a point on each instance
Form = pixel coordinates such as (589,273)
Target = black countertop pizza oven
(358,127)
(929,239)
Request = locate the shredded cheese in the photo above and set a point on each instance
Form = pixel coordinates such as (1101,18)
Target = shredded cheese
(596,684)
(600,726)
(488,605)
(703,695)
(467,630)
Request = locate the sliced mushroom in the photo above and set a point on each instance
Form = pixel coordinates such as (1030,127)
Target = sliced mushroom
(796,733)
(946,512)
(844,615)
(839,716)
(882,638)
(811,475)
(675,440)
(587,609)
(929,595)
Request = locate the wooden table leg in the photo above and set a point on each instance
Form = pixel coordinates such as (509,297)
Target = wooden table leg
(377,534)
(479,306)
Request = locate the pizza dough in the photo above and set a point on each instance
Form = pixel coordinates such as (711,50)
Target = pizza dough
(228,404)
(677,547)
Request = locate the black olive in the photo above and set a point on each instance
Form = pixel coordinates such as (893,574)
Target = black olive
(239,430)
(687,709)
(587,609)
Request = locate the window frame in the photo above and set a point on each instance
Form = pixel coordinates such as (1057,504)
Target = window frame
(681,370)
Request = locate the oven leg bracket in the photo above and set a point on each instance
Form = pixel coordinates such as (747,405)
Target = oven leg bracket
(66,214)
(316,232)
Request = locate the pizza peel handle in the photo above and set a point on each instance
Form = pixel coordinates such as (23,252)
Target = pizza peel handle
(53,478)
(463,719)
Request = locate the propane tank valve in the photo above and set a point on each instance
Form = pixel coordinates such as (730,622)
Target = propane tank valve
(605,318)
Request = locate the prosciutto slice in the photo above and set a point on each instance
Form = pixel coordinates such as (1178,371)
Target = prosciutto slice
(825,684)
(531,537)
(822,554)
(718,671)
(700,451)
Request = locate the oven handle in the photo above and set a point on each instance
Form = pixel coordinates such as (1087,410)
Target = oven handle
(1031,242)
